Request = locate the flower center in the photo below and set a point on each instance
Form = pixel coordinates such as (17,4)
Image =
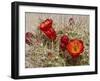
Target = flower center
(75,48)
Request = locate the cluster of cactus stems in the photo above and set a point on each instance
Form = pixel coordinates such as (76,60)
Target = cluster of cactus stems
(58,48)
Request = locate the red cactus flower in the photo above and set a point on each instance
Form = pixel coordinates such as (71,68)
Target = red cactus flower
(51,34)
(46,28)
(75,47)
(63,42)
(28,38)
(64,39)
(63,46)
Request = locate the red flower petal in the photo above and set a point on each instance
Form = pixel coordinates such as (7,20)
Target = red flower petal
(63,42)
(51,34)
(64,39)
(44,26)
(62,46)
(75,47)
